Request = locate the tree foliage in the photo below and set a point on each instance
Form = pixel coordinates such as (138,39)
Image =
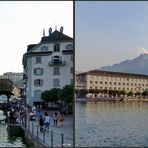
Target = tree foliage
(6,85)
(50,95)
(66,94)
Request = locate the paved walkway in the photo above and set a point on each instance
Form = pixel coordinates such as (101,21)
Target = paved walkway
(58,131)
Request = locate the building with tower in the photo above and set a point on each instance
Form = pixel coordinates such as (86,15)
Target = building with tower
(48,64)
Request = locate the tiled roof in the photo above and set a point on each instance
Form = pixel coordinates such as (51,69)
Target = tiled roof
(56,36)
(110,73)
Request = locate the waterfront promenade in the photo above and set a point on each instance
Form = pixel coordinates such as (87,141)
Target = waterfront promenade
(58,136)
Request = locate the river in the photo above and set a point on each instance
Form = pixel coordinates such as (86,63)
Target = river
(7,140)
(111,124)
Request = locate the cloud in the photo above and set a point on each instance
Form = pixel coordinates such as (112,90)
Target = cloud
(145,51)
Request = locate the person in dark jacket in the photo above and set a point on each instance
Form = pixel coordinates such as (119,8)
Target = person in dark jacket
(41,123)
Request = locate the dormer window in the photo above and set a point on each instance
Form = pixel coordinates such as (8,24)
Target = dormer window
(57,47)
(44,48)
(69,47)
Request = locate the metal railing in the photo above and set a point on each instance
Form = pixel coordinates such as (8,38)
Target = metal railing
(50,138)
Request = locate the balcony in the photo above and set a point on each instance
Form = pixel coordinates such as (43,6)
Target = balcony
(57,63)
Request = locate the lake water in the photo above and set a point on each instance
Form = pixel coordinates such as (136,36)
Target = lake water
(111,124)
(7,140)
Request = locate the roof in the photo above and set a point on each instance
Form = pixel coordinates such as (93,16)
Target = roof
(111,73)
(56,36)
(30,46)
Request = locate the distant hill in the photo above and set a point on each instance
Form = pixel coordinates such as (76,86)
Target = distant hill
(138,65)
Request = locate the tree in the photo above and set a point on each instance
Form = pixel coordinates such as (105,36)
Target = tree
(66,94)
(130,93)
(6,85)
(50,95)
(145,93)
(81,93)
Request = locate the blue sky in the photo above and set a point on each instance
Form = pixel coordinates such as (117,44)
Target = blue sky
(109,32)
(22,23)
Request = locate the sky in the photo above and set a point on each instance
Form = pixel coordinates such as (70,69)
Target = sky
(22,23)
(109,32)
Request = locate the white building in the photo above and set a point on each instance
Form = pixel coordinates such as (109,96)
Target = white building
(48,64)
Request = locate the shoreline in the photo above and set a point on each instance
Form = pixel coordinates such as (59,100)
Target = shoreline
(109,99)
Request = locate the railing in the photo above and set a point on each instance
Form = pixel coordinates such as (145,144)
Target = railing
(60,63)
(50,138)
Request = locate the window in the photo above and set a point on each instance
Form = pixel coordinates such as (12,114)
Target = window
(56,48)
(119,83)
(71,58)
(100,82)
(56,60)
(38,82)
(69,47)
(44,48)
(71,70)
(90,82)
(90,87)
(37,93)
(96,82)
(114,83)
(110,83)
(38,60)
(71,81)
(56,71)
(105,82)
(56,82)
(38,71)
(96,87)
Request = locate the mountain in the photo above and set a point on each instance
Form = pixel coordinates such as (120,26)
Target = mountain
(138,65)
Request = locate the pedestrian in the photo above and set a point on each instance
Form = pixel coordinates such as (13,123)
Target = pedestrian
(61,118)
(41,123)
(55,118)
(47,121)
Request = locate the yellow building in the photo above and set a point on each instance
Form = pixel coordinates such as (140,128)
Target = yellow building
(106,80)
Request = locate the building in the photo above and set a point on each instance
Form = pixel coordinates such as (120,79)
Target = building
(106,80)
(48,64)
(14,76)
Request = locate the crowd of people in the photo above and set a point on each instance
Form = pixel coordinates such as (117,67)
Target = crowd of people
(46,120)
(17,112)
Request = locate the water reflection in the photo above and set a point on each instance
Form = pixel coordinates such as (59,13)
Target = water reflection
(111,124)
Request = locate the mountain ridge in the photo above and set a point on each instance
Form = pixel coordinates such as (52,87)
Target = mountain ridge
(138,65)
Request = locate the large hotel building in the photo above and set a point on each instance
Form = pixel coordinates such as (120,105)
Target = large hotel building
(106,80)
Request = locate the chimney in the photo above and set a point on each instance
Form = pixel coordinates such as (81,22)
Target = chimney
(61,29)
(50,31)
(43,32)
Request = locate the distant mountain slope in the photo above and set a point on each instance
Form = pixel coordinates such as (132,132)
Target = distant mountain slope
(138,65)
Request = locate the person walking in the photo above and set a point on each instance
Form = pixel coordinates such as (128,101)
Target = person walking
(55,118)
(47,121)
(61,118)
(41,123)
